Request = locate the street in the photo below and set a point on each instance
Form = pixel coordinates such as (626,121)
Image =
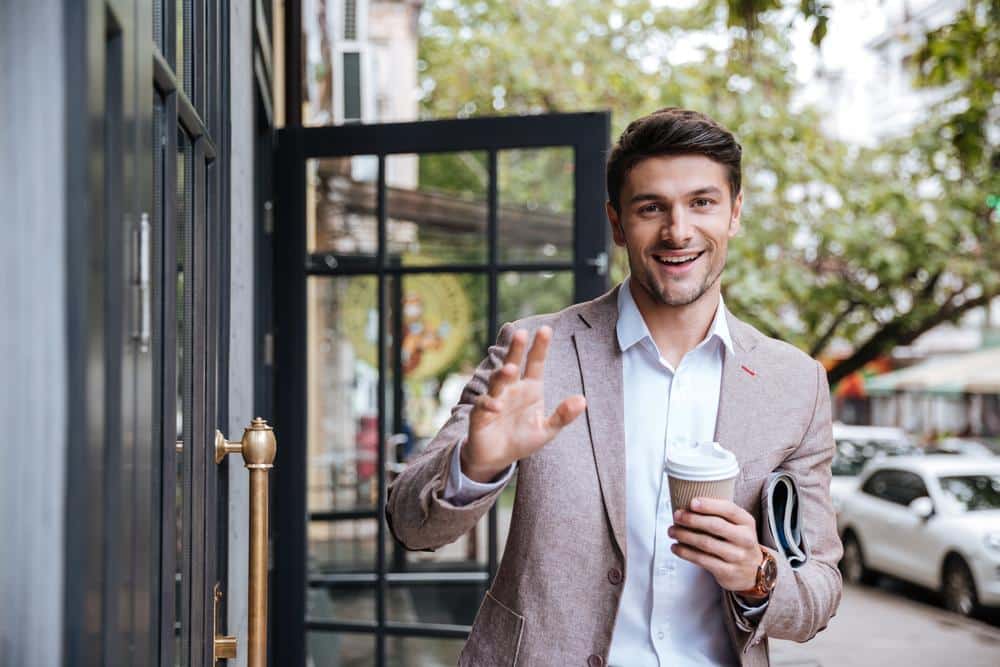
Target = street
(894,624)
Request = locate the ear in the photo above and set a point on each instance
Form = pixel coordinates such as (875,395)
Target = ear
(617,232)
(734,220)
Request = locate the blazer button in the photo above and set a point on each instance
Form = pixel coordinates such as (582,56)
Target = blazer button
(595,661)
(615,576)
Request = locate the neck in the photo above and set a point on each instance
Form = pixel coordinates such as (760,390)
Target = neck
(676,330)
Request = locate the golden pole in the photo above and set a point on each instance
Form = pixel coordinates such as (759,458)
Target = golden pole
(258,447)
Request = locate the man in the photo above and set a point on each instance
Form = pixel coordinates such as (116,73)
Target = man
(598,569)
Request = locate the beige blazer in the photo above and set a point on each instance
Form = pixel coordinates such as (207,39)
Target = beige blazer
(555,597)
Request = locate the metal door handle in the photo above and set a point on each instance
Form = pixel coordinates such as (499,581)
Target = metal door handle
(258,448)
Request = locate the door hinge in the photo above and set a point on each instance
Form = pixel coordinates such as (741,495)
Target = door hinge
(600,262)
(268,218)
(269,349)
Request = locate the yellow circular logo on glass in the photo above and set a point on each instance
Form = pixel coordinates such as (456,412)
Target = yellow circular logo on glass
(435,323)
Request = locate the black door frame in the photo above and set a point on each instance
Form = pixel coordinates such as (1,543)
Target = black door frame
(588,135)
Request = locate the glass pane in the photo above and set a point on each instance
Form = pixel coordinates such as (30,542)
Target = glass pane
(420,652)
(347,545)
(353,602)
(535,189)
(524,294)
(183,351)
(440,321)
(437,208)
(340,649)
(341,198)
(447,603)
(342,413)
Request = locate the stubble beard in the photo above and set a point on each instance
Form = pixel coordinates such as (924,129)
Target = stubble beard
(661,294)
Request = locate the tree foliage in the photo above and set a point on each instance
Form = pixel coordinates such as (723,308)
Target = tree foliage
(868,247)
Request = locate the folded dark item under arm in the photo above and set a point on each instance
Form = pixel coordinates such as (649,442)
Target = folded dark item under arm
(781,517)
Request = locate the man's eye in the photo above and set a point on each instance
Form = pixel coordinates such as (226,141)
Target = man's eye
(701,202)
(650,208)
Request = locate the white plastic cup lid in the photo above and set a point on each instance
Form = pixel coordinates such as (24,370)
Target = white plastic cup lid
(701,461)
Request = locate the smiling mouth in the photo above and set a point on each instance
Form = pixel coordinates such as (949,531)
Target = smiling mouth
(678,260)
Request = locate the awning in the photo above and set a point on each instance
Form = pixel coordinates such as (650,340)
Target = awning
(971,373)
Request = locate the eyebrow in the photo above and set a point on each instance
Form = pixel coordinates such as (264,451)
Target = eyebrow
(652,196)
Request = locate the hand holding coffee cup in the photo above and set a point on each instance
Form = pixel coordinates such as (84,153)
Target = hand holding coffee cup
(700,469)
(715,533)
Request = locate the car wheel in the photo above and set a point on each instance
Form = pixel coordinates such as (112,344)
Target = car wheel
(958,590)
(852,564)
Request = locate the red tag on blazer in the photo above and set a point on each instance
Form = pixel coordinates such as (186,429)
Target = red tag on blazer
(749,372)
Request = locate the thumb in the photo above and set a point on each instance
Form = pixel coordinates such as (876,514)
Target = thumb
(567,411)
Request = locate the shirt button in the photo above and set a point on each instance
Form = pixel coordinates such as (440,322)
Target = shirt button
(615,576)
(660,635)
(595,661)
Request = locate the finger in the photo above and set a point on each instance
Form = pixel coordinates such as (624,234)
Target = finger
(739,534)
(714,565)
(515,353)
(724,508)
(535,366)
(708,544)
(502,377)
(489,404)
(567,411)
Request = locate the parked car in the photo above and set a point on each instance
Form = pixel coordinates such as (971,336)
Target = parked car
(931,520)
(855,446)
(966,446)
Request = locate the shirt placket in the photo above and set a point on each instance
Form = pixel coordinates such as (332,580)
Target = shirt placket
(664,561)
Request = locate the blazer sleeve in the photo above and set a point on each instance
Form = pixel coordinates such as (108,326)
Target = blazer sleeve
(416,510)
(805,599)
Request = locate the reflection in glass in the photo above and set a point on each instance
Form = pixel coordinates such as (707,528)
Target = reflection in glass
(535,188)
(524,294)
(340,649)
(182,18)
(440,322)
(343,437)
(437,208)
(182,360)
(341,198)
(446,603)
(343,602)
(420,652)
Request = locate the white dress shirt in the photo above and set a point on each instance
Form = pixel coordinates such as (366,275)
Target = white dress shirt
(671,611)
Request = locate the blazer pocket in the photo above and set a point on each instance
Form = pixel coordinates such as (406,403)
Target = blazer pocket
(765,464)
(495,638)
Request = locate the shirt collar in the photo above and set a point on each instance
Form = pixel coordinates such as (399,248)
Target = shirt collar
(631,327)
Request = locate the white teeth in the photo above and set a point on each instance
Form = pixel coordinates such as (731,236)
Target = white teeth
(676,260)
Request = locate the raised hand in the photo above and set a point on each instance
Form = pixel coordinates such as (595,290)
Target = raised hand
(508,422)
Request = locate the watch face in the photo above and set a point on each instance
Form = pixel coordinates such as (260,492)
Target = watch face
(770,571)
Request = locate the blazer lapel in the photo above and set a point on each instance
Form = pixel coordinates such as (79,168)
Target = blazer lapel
(738,393)
(601,370)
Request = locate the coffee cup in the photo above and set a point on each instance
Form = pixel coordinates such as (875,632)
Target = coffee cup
(700,469)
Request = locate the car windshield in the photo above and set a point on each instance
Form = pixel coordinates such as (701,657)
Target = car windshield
(973,492)
(851,455)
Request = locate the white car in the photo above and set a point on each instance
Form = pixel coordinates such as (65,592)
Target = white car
(855,446)
(931,520)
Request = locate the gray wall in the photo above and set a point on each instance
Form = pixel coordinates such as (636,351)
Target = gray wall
(33,334)
(241,375)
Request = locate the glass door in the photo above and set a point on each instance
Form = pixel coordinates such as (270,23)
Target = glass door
(400,250)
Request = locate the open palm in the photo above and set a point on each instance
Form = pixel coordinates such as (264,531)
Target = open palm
(508,423)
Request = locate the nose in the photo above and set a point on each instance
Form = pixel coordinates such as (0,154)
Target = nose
(677,229)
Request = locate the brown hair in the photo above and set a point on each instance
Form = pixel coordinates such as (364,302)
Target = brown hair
(672,131)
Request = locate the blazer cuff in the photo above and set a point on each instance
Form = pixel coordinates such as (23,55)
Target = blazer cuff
(747,616)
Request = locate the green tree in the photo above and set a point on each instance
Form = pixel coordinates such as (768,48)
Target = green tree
(841,243)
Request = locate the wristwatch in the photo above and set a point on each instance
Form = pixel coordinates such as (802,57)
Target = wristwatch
(767,577)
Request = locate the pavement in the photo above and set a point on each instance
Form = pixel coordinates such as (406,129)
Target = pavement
(894,624)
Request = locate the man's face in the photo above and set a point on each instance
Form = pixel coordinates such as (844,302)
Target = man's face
(677,216)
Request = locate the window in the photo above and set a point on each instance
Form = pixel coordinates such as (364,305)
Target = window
(896,486)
